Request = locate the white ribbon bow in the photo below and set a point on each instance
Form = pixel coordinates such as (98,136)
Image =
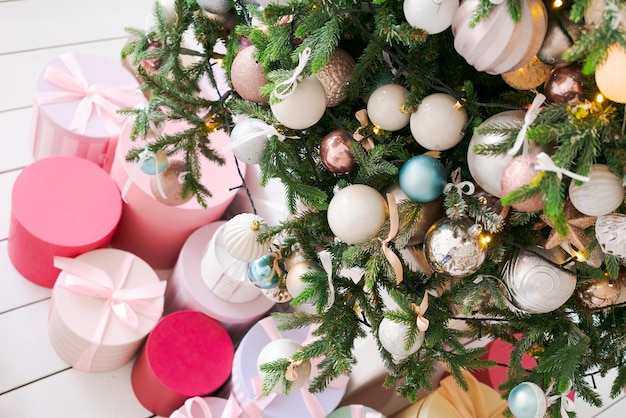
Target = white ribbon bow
(291,83)
(263,130)
(462,187)
(545,163)
(529,118)
(144,156)
(327,264)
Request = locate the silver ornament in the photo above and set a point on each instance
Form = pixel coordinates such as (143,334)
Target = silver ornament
(611,234)
(218,7)
(535,284)
(600,293)
(562,33)
(454,247)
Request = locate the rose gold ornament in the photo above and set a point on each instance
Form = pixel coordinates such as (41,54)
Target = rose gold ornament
(335,153)
(335,76)
(171,184)
(247,75)
(565,85)
(518,173)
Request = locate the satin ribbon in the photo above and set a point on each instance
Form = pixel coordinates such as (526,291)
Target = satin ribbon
(358,411)
(125,304)
(366,142)
(422,323)
(143,157)
(529,118)
(288,86)
(263,130)
(105,101)
(567,405)
(394,223)
(462,187)
(205,411)
(327,264)
(545,163)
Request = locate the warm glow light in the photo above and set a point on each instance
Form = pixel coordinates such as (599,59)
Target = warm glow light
(485,239)
(557,4)
(579,256)
(599,98)
(376,130)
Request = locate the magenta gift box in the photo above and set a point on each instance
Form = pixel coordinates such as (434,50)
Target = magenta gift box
(104,303)
(187,290)
(61,206)
(153,230)
(75,107)
(187,354)
(245,379)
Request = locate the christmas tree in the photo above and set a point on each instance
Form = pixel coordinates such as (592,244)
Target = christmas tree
(465,159)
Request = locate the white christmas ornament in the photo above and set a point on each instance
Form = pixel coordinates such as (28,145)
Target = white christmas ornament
(279,349)
(249,139)
(611,234)
(609,75)
(295,286)
(392,335)
(356,213)
(240,237)
(601,195)
(304,107)
(433,16)
(438,122)
(385,107)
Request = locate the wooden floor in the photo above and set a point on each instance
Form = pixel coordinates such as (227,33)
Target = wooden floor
(34,381)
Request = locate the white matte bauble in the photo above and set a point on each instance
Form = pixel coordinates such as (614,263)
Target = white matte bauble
(240,237)
(215,6)
(385,107)
(295,286)
(392,335)
(486,170)
(601,195)
(611,234)
(609,74)
(438,122)
(304,107)
(252,138)
(535,284)
(280,349)
(356,213)
(432,16)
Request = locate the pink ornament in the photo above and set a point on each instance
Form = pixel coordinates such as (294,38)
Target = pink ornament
(247,75)
(518,173)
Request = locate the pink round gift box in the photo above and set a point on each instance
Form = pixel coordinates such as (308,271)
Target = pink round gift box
(187,354)
(155,231)
(52,132)
(61,206)
(187,290)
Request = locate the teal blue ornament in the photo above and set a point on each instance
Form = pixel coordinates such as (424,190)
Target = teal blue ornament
(422,178)
(154,163)
(527,400)
(262,273)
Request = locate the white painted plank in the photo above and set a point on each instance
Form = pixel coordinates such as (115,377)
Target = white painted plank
(75,394)
(20,71)
(15,144)
(6,185)
(15,290)
(38,24)
(26,353)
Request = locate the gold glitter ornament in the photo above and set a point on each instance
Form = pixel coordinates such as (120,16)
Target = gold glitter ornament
(335,76)
(171,184)
(529,76)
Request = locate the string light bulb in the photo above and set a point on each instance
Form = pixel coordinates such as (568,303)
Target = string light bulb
(485,239)
(557,4)
(599,98)
(376,130)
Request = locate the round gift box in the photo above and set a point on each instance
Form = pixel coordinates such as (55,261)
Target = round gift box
(155,231)
(187,290)
(187,354)
(355,411)
(194,407)
(52,132)
(245,377)
(61,206)
(76,316)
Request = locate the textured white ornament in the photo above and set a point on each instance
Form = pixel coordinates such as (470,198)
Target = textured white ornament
(536,285)
(433,16)
(385,107)
(279,349)
(304,107)
(392,335)
(253,136)
(295,286)
(356,213)
(611,234)
(240,237)
(438,122)
(601,195)
(487,170)
(609,76)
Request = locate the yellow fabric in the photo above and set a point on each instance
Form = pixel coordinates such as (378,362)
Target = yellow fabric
(451,401)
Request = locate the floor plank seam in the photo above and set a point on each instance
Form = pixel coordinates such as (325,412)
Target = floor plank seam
(34,381)
(25,305)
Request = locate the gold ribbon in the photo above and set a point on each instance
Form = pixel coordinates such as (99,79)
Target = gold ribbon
(422,323)
(394,223)
(291,374)
(365,141)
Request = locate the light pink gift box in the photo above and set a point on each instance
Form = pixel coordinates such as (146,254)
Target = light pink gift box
(187,290)
(104,303)
(75,108)
(153,230)
(61,206)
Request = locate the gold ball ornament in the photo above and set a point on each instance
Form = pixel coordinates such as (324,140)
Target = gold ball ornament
(610,74)
(171,180)
(335,76)
(529,76)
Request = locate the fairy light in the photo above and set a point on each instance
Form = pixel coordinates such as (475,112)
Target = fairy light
(376,130)
(580,257)
(599,98)
(485,239)
(557,3)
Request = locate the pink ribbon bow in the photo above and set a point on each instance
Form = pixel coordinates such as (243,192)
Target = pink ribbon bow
(231,410)
(358,411)
(104,100)
(125,304)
